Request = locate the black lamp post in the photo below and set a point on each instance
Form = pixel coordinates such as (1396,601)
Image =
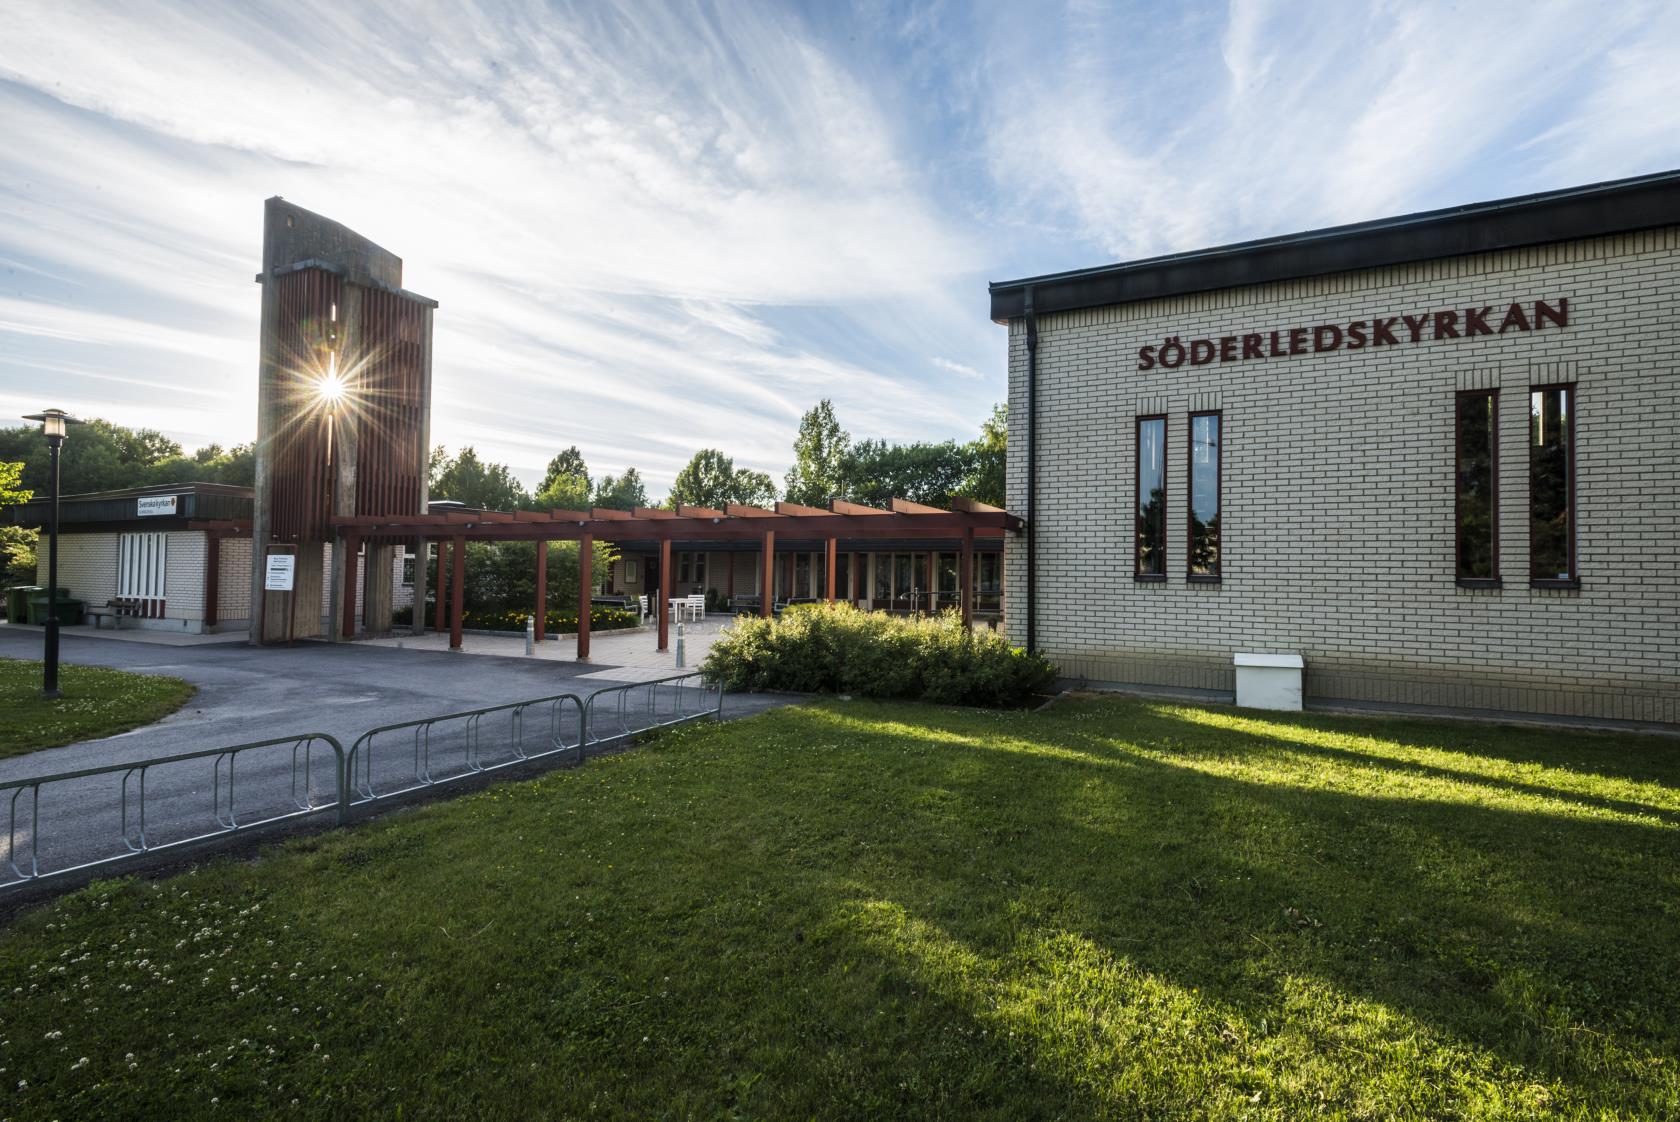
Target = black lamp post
(56,424)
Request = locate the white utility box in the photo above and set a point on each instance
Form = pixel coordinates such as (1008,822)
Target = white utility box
(1269,681)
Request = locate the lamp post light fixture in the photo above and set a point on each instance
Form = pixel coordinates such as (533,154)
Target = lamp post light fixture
(55,423)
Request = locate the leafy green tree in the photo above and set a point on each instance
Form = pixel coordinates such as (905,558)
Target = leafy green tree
(17,545)
(467,479)
(99,456)
(502,576)
(621,492)
(986,481)
(818,474)
(210,464)
(754,488)
(877,472)
(566,484)
(712,479)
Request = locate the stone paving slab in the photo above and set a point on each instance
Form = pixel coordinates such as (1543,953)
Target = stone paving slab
(614,656)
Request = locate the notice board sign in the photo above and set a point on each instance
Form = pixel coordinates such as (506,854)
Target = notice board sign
(152,506)
(278,576)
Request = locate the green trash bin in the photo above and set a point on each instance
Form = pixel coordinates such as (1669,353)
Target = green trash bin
(17,601)
(70,612)
(38,606)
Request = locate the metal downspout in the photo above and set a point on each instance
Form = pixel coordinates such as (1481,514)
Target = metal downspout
(1032,473)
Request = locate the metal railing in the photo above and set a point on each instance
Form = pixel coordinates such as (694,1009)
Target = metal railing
(619,712)
(466,744)
(464,733)
(225,808)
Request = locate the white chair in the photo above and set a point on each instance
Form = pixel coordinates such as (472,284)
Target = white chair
(642,607)
(697,606)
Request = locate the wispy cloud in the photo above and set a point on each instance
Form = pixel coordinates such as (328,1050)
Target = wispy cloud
(961,370)
(659,227)
(1210,125)
(605,201)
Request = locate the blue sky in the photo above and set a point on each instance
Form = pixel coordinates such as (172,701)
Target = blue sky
(655,228)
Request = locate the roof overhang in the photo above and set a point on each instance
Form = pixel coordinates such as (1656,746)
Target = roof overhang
(1616,207)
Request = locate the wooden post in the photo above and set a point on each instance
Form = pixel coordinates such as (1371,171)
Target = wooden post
(767,595)
(586,579)
(441,609)
(965,577)
(859,579)
(417,619)
(350,543)
(664,593)
(833,557)
(212,576)
(457,592)
(541,618)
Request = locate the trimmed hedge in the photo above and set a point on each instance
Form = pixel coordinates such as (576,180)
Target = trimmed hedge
(558,623)
(836,648)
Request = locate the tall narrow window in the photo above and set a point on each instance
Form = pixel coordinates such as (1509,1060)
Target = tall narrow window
(1150,557)
(1476,506)
(1203,555)
(1551,486)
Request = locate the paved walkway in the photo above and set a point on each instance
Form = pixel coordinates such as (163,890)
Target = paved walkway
(248,694)
(614,656)
(131,635)
(343,689)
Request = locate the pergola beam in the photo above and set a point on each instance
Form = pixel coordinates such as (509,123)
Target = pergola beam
(841,506)
(816,527)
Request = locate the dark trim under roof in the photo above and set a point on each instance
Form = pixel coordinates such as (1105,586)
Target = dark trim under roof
(1616,207)
(108,510)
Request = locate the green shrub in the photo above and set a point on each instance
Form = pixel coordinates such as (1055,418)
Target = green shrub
(836,648)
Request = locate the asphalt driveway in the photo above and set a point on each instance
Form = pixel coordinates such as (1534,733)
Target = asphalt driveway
(258,693)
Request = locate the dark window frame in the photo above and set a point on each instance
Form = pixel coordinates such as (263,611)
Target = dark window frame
(1137,498)
(1574,578)
(1497,580)
(1190,498)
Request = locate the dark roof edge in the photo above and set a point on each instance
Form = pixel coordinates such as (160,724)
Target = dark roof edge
(238,491)
(1593,210)
(353,276)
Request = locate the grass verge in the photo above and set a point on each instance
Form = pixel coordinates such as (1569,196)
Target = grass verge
(96,702)
(1115,908)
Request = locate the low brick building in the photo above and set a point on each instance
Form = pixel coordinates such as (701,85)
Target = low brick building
(1434,455)
(143,547)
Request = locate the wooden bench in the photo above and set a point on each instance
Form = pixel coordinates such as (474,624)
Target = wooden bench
(116,608)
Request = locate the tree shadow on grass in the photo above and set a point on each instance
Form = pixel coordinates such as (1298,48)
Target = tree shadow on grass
(1279,734)
(1539,938)
(1589,754)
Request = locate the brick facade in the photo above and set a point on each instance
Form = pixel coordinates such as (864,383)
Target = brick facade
(1338,496)
(87,566)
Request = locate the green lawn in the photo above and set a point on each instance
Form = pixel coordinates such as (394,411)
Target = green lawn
(96,703)
(859,910)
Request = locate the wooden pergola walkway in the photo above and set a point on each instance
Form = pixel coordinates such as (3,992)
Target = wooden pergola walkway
(451,531)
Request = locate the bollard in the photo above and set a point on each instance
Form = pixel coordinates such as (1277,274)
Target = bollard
(679,644)
(530,635)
